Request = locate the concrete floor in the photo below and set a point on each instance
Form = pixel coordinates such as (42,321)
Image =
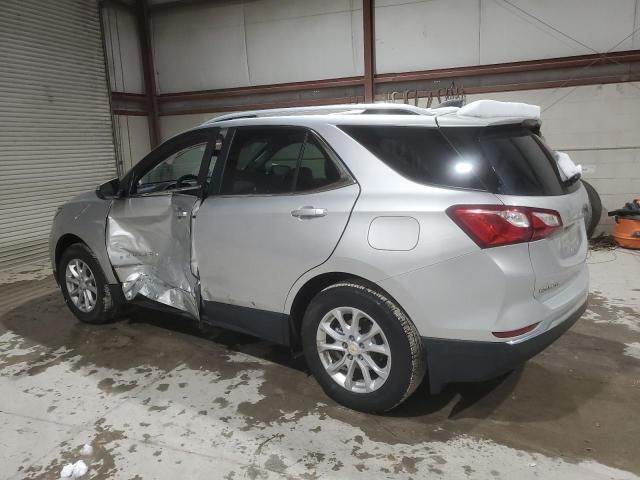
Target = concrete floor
(158,399)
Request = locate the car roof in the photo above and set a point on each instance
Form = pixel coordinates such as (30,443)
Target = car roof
(360,114)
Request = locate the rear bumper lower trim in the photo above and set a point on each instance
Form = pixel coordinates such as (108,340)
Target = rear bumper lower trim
(452,361)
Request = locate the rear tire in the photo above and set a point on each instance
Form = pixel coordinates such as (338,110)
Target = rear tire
(79,271)
(596,208)
(396,352)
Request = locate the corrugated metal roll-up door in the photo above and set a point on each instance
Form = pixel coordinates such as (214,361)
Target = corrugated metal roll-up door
(56,138)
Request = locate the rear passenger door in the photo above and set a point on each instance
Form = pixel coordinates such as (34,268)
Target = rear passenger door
(279,209)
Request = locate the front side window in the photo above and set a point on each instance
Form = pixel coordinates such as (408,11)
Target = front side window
(178,171)
(276,161)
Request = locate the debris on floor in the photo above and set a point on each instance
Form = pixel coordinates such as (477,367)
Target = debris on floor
(86,450)
(74,470)
(602,242)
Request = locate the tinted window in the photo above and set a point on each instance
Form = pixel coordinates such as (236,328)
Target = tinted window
(262,161)
(511,160)
(182,166)
(506,160)
(418,153)
(274,160)
(316,170)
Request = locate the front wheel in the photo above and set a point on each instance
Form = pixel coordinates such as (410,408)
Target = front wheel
(84,286)
(362,348)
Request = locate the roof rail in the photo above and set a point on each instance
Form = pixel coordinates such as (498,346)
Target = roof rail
(352,108)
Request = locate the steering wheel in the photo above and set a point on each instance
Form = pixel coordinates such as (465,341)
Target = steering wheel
(184,178)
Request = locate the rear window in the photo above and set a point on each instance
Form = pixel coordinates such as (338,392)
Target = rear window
(504,160)
(418,153)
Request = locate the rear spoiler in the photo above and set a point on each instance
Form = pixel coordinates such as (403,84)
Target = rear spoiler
(491,109)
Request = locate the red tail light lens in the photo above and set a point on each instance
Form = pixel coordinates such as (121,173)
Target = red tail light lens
(497,225)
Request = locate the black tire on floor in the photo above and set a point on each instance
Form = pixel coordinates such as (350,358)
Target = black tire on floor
(407,359)
(105,309)
(596,208)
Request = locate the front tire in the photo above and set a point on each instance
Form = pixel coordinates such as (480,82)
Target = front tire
(84,286)
(362,348)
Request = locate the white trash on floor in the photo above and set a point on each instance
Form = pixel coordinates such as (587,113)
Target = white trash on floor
(86,450)
(74,470)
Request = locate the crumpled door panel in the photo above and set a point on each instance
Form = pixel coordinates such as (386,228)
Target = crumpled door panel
(149,246)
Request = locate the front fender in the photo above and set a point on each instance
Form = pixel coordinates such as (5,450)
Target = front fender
(84,217)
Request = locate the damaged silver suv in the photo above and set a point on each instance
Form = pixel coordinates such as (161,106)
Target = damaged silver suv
(382,241)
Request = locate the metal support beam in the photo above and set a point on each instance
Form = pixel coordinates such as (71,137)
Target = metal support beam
(144,33)
(368,18)
(582,61)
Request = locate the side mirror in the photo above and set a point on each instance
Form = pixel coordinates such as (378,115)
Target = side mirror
(110,189)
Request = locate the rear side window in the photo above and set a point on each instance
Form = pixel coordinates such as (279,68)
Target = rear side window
(262,161)
(278,160)
(505,160)
(420,154)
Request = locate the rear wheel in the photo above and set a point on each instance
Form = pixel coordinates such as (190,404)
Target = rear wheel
(84,287)
(362,348)
(596,208)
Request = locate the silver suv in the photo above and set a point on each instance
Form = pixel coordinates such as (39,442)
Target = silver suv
(382,241)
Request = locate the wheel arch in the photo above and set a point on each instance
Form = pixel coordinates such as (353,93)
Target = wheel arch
(64,242)
(311,288)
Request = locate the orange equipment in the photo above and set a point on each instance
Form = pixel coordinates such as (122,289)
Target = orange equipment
(627,231)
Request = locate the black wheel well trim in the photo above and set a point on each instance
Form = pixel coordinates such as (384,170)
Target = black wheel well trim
(64,242)
(311,288)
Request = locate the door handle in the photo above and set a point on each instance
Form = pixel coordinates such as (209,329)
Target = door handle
(181,213)
(309,212)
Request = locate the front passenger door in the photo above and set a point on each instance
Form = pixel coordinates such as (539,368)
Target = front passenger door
(149,230)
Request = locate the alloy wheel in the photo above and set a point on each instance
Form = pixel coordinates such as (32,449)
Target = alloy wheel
(81,285)
(353,349)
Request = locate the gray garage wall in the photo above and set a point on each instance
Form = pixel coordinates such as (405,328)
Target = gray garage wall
(456,33)
(237,44)
(124,62)
(122,49)
(132,139)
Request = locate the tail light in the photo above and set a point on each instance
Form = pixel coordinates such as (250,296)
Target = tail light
(497,225)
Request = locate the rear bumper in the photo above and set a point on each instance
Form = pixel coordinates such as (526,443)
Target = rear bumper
(452,361)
